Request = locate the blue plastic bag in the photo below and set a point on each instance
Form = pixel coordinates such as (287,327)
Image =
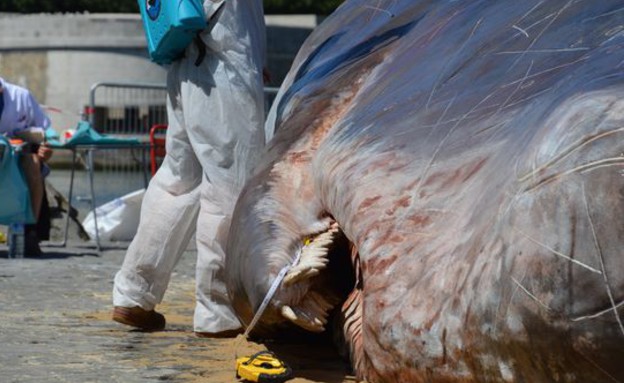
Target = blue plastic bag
(15,204)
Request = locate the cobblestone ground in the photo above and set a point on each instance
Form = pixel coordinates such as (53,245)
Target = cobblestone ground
(55,327)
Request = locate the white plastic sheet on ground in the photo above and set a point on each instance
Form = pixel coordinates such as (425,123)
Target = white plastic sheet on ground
(118,219)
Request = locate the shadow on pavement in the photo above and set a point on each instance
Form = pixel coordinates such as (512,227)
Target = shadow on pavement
(56,254)
(316,361)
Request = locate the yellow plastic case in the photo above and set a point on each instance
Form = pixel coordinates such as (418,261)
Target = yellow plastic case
(262,367)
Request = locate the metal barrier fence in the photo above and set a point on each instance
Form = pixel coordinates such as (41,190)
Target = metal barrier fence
(129,110)
(132,108)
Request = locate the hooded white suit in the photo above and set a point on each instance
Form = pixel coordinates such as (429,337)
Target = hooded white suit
(216,118)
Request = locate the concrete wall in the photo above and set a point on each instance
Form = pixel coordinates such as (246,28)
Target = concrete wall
(285,34)
(59,57)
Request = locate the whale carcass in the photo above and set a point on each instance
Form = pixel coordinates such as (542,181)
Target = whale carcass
(449,177)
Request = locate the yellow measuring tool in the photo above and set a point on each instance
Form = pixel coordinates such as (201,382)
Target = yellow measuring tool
(262,367)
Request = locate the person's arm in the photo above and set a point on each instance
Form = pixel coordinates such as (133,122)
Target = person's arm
(38,118)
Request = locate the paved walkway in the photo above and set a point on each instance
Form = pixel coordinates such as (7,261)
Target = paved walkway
(55,327)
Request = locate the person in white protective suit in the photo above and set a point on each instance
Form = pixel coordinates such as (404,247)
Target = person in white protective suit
(215,107)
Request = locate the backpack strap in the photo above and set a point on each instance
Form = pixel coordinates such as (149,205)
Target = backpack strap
(201,47)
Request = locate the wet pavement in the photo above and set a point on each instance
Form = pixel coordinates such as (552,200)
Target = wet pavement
(55,327)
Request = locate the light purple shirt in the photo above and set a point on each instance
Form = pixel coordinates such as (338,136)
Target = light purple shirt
(21,110)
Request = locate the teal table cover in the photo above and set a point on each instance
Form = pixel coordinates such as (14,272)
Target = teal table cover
(86,135)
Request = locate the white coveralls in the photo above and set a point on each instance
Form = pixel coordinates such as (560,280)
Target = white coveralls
(216,119)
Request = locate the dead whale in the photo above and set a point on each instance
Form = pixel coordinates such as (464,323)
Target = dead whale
(452,174)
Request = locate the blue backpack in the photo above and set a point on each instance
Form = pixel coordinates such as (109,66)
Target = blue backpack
(14,194)
(170,26)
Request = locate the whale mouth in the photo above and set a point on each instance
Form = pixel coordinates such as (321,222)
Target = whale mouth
(319,282)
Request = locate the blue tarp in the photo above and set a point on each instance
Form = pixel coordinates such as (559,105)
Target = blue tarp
(86,135)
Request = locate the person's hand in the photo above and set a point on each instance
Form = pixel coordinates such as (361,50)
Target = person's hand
(44,152)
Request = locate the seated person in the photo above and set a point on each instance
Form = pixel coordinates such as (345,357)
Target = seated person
(19,113)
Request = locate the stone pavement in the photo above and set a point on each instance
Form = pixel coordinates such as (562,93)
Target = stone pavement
(55,327)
